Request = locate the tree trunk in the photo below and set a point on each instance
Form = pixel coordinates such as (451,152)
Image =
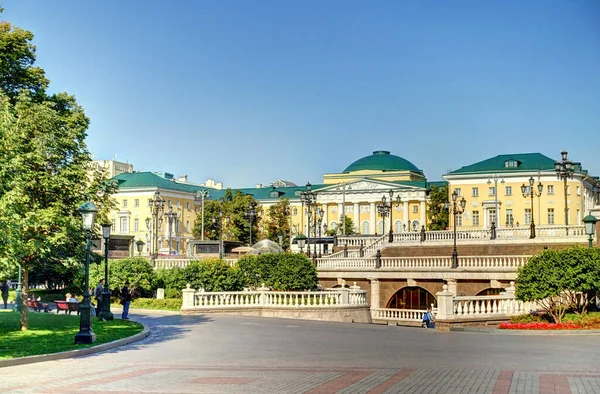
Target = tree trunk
(24,294)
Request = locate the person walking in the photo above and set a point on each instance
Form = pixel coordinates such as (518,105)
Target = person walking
(428,320)
(5,288)
(98,295)
(125,301)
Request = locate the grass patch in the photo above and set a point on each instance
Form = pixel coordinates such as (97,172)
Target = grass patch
(51,333)
(167,304)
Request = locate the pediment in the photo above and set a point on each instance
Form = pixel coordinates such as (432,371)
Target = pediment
(365,185)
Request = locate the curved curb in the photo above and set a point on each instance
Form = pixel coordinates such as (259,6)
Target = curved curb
(524,332)
(78,352)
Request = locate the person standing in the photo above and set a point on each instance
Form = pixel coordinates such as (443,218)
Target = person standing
(428,319)
(125,301)
(98,295)
(5,288)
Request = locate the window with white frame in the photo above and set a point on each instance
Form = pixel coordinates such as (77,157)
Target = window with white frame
(458,191)
(527,216)
(578,190)
(475,218)
(491,191)
(136,202)
(124,204)
(550,189)
(136,224)
(510,220)
(365,227)
(380,229)
(187,205)
(123,225)
(508,190)
(415,209)
(113,228)
(550,215)
(459,219)
(398,226)
(475,192)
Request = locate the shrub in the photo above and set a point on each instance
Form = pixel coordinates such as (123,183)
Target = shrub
(137,270)
(257,269)
(212,275)
(151,303)
(292,272)
(172,280)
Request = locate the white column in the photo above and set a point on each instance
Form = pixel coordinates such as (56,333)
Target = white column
(325,215)
(375,302)
(357,215)
(340,211)
(405,214)
(423,209)
(372,223)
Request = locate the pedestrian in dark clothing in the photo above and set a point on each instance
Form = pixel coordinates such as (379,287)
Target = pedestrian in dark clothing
(98,295)
(5,288)
(125,301)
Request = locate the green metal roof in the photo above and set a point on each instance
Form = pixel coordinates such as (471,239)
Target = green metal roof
(517,162)
(381,160)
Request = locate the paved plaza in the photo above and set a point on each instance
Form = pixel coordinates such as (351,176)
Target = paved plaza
(227,354)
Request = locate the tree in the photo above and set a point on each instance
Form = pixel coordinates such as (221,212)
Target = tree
(337,229)
(280,271)
(560,280)
(278,222)
(211,227)
(438,211)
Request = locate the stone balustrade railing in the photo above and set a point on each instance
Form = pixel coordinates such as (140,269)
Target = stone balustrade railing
(400,315)
(182,263)
(364,240)
(264,298)
(511,263)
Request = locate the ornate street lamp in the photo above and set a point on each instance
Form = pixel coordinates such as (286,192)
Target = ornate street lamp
(157,206)
(590,227)
(201,195)
(398,201)
(140,246)
(497,213)
(529,192)
(565,169)
(106,313)
(171,218)
(301,239)
(319,223)
(384,210)
(86,334)
(458,207)
(309,198)
(250,215)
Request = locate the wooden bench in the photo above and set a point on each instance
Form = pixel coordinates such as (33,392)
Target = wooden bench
(73,307)
(61,306)
(38,306)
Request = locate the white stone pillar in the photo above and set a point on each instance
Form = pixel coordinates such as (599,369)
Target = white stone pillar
(423,219)
(372,222)
(445,301)
(375,301)
(357,215)
(325,215)
(188,297)
(405,214)
(451,286)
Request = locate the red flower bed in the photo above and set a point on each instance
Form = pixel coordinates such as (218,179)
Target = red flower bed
(540,326)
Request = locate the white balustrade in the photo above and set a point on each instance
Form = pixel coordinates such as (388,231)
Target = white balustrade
(171,263)
(510,263)
(357,240)
(415,315)
(489,306)
(349,262)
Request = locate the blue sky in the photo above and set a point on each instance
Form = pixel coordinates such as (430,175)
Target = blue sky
(246,92)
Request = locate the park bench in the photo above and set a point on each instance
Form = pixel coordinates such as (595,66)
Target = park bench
(69,307)
(38,306)
(73,307)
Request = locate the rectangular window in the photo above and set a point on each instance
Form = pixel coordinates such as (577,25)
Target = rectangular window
(578,190)
(114,225)
(136,225)
(169,203)
(550,215)
(187,205)
(508,190)
(578,216)
(123,225)
(124,203)
(459,219)
(475,218)
(415,208)
(492,191)
(458,191)
(178,204)
(510,221)
(136,202)
(475,192)
(187,226)
(550,189)
(568,190)
(527,216)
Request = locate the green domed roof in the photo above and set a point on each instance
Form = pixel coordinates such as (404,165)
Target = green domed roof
(381,160)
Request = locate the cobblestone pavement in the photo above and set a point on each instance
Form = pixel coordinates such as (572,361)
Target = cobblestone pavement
(226,354)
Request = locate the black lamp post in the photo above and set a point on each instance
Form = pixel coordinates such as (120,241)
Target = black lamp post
(529,192)
(250,215)
(565,169)
(157,206)
(201,195)
(458,207)
(384,210)
(171,218)
(106,313)
(590,227)
(86,334)
(140,246)
(301,239)
(309,198)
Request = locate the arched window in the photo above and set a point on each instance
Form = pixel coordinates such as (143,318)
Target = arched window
(411,298)
(415,227)
(490,292)
(380,227)
(398,226)
(365,227)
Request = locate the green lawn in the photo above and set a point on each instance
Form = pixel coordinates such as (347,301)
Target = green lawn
(52,333)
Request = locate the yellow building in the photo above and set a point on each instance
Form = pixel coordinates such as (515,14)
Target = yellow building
(493,187)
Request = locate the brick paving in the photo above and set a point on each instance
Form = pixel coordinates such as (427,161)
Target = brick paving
(219,354)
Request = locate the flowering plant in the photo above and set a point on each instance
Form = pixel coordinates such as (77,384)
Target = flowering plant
(540,326)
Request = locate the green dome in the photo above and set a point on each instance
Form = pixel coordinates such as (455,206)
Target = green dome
(381,160)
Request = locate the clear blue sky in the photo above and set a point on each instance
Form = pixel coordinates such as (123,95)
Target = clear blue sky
(246,92)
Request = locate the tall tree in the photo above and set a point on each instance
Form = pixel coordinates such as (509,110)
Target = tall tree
(211,218)
(278,222)
(438,212)
(349,227)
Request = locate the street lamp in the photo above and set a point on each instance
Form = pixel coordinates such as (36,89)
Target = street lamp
(86,334)
(171,218)
(458,207)
(590,227)
(309,198)
(106,313)
(250,215)
(140,246)
(201,195)
(301,239)
(565,169)
(529,192)
(214,220)
(384,210)
(319,222)
(398,201)
(496,212)
(157,206)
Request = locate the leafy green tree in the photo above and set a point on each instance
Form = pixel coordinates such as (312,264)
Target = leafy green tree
(211,220)
(437,210)
(560,280)
(337,229)
(293,272)
(212,275)
(137,271)
(257,269)
(278,222)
